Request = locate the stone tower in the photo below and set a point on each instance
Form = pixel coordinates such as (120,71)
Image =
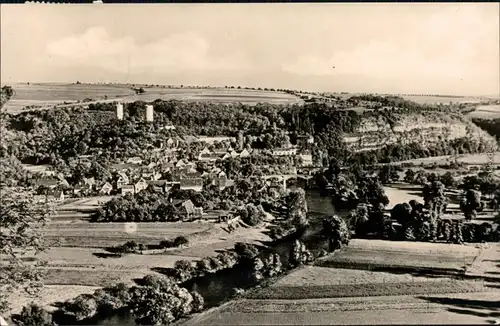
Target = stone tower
(149,113)
(119,111)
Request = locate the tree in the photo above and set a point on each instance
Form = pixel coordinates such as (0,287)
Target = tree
(336,231)
(33,315)
(435,199)
(19,213)
(359,220)
(184,270)
(409,176)
(198,301)
(160,301)
(297,208)
(181,241)
(448,180)
(82,307)
(471,204)
(401,213)
(299,254)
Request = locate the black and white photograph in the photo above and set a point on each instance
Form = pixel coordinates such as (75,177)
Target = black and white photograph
(215,164)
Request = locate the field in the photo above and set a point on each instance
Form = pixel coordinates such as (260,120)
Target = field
(398,310)
(370,254)
(98,235)
(440,99)
(48,95)
(486,112)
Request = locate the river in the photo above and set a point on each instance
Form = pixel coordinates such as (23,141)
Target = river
(216,288)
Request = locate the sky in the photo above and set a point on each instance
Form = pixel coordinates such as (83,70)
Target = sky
(417,48)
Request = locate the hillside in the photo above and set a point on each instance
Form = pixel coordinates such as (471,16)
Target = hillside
(425,128)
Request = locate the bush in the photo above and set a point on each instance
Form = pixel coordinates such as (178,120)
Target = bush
(165,244)
(181,241)
(246,250)
(33,315)
(198,302)
(82,307)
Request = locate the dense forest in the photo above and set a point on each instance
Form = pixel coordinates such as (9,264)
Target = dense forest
(53,136)
(492,126)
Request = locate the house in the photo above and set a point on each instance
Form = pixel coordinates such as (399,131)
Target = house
(127,189)
(57,195)
(305,140)
(211,140)
(234,154)
(209,157)
(134,160)
(306,159)
(162,186)
(180,163)
(89,183)
(122,180)
(205,151)
(284,151)
(167,127)
(191,139)
(140,185)
(226,156)
(151,165)
(219,151)
(185,207)
(195,184)
(172,142)
(245,153)
(106,188)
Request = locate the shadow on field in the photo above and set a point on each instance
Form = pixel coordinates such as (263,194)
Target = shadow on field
(167,271)
(106,255)
(466,306)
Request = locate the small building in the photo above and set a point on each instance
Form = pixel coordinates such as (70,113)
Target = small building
(205,151)
(89,183)
(122,180)
(162,186)
(284,151)
(185,207)
(195,184)
(127,189)
(140,185)
(244,153)
(234,154)
(56,195)
(305,140)
(306,159)
(210,158)
(106,189)
(134,160)
(172,142)
(180,163)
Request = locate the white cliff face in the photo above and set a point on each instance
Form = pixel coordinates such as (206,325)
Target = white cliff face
(424,129)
